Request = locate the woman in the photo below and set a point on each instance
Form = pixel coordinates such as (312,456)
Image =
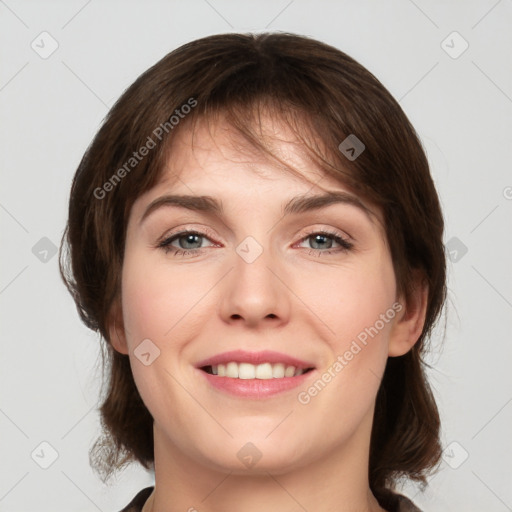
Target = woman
(255,233)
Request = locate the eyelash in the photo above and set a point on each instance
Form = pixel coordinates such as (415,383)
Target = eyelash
(345,245)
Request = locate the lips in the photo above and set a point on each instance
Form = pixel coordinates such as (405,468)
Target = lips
(255,375)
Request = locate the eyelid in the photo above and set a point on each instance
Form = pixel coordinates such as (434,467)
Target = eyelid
(329,230)
(210,234)
(201,231)
(345,241)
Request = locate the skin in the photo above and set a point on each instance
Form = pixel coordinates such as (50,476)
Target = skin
(294,298)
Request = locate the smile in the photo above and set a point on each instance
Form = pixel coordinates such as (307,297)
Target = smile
(254,375)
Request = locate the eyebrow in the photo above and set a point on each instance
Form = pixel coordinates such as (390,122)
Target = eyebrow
(299,204)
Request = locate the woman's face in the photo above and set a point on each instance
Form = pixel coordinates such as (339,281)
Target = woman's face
(262,279)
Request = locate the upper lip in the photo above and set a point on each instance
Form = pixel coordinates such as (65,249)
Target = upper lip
(265,356)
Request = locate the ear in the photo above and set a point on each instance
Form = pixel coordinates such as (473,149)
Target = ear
(116,328)
(409,322)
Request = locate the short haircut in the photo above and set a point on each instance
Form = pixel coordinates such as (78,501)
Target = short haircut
(324,96)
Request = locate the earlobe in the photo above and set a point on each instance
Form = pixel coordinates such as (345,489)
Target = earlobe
(116,330)
(408,325)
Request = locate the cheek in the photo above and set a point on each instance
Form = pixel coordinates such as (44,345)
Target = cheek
(360,314)
(353,299)
(152,308)
(154,298)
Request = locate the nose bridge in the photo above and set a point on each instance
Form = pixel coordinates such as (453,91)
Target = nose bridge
(253,290)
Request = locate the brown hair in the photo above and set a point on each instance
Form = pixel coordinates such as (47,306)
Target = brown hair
(324,96)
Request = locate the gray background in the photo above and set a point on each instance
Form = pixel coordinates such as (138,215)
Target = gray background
(461,106)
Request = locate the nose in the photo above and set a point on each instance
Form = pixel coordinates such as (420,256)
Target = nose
(255,292)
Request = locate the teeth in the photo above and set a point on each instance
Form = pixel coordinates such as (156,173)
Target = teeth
(278,371)
(262,371)
(246,371)
(232,370)
(290,370)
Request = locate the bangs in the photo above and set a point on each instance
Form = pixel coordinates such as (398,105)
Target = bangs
(252,132)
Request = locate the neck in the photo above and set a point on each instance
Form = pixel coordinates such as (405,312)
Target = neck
(337,482)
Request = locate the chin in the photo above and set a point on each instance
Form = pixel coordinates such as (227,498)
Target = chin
(245,455)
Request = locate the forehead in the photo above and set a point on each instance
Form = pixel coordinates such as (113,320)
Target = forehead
(201,149)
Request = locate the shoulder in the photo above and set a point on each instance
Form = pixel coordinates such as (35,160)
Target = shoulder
(138,501)
(406,505)
(395,502)
(403,504)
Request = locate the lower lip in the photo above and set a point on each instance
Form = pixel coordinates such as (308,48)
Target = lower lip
(255,388)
